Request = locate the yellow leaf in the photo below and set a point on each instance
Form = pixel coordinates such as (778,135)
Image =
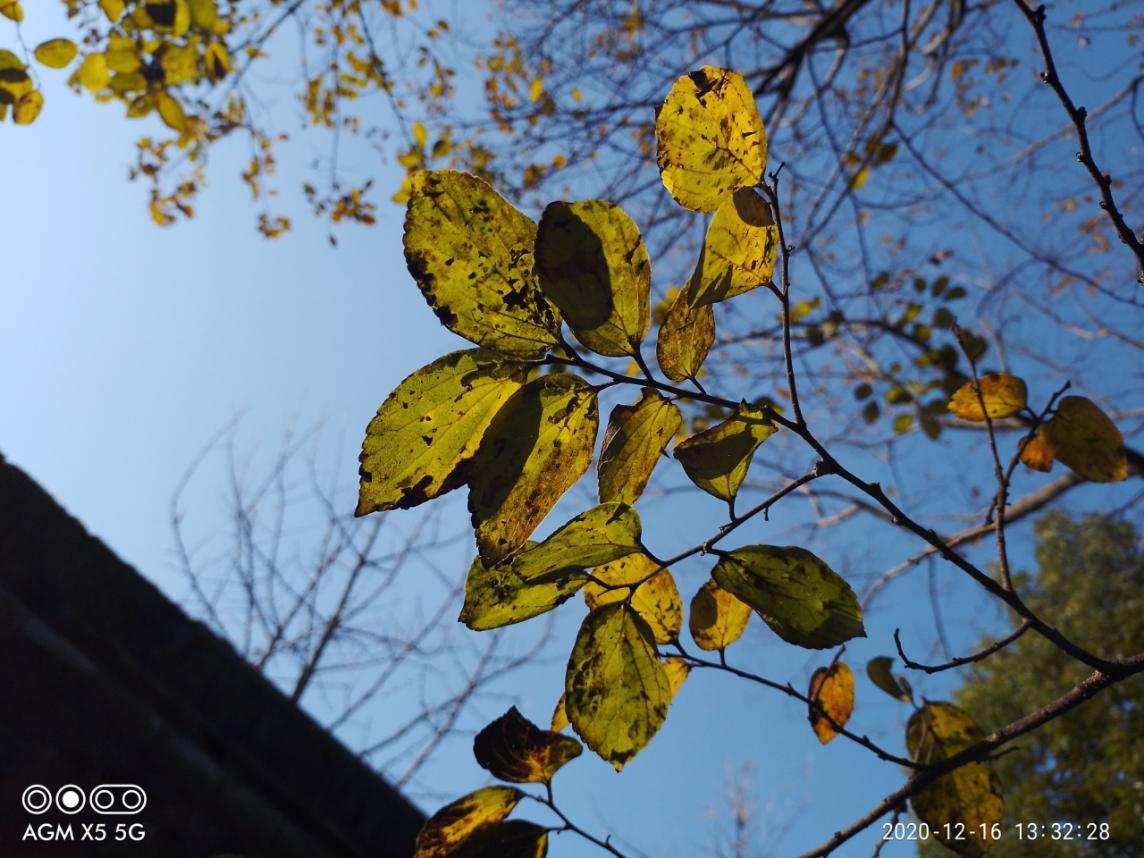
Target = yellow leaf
(456,822)
(28,108)
(56,53)
(1038,453)
(593,266)
(204,14)
(93,72)
(633,443)
(656,599)
(171,112)
(12,11)
(717,619)
(1004,396)
(539,444)
(832,688)
(141,106)
(1085,439)
(711,141)
(739,251)
(858,182)
(878,669)
(962,807)
(514,749)
(536,90)
(717,459)
(685,338)
(617,691)
(559,715)
(420,137)
(430,426)
(216,60)
(113,9)
(677,670)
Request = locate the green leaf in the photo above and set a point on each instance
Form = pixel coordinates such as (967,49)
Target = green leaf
(878,669)
(968,798)
(616,689)
(796,594)
(514,749)
(633,442)
(430,426)
(710,138)
(541,576)
(717,619)
(593,265)
(685,338)
(456,822)
(656,598)
(1085,439)
(471,254)
(1004,395)
(513,839)
(832,688)
(717,459)
(56,53)
(536,448)
(739,252)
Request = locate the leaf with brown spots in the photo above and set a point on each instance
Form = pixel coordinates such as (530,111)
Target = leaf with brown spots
(514,749)
(633,443)
(430,426)
(516,838)
(717,618)
(832,688)
(717,459)
(1003,394)
(471,253)
(455,822)
(656,598)
(616,690)
(685,338)
(739,252)
(537,447)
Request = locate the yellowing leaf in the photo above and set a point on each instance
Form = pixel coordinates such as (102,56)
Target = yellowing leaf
(878,669)
(420,137)
(204,14)
(113,9)
(216,60)
(171,112)
(560,715)
(633,443)
(93,72)
(499,595)
(677,671)
(717,618)
(593,266)
(28,107)
(961,807)
(455,822)
(1085,439)
(430,426)
(656,599)
(14,79)
(617,691)
(12,10)
(471,254)
(710,138)
(739,251)
(685,338)
(513,839)
(536,448)
(56,53)
(514,749)
(832,688)
(1004,396)
(797,595)
(717,459)
(536,90)
(1038,453)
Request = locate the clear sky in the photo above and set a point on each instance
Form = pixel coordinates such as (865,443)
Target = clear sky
(124,347)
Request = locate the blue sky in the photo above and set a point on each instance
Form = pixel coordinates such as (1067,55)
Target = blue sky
(124,347)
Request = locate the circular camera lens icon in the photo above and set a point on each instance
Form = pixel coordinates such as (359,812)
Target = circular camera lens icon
(36,799)
(118,799)
(70,799)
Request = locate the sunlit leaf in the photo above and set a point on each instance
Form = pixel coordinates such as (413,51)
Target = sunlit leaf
(455,822)
(1038,453)
(617,691)
(677,671)
(93,72)
(717,618)
(739,251)
(717,459)
(12,10)
(471,254)
(1004,396)
(593,266)
(656,599)
(560,714)
(113,9)
(513,839)
(170,111)
(633,443)
(204,13)
(832,688)
(28,107)
(514,749)
(56,53)
(797,594)
(1085,439)
(710,138)
(878,669)
(536,448)
(430,426)
(966,801)
(499,595)
(685,338)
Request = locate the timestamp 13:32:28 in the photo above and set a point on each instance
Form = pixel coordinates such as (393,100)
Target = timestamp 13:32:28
(1026,831)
